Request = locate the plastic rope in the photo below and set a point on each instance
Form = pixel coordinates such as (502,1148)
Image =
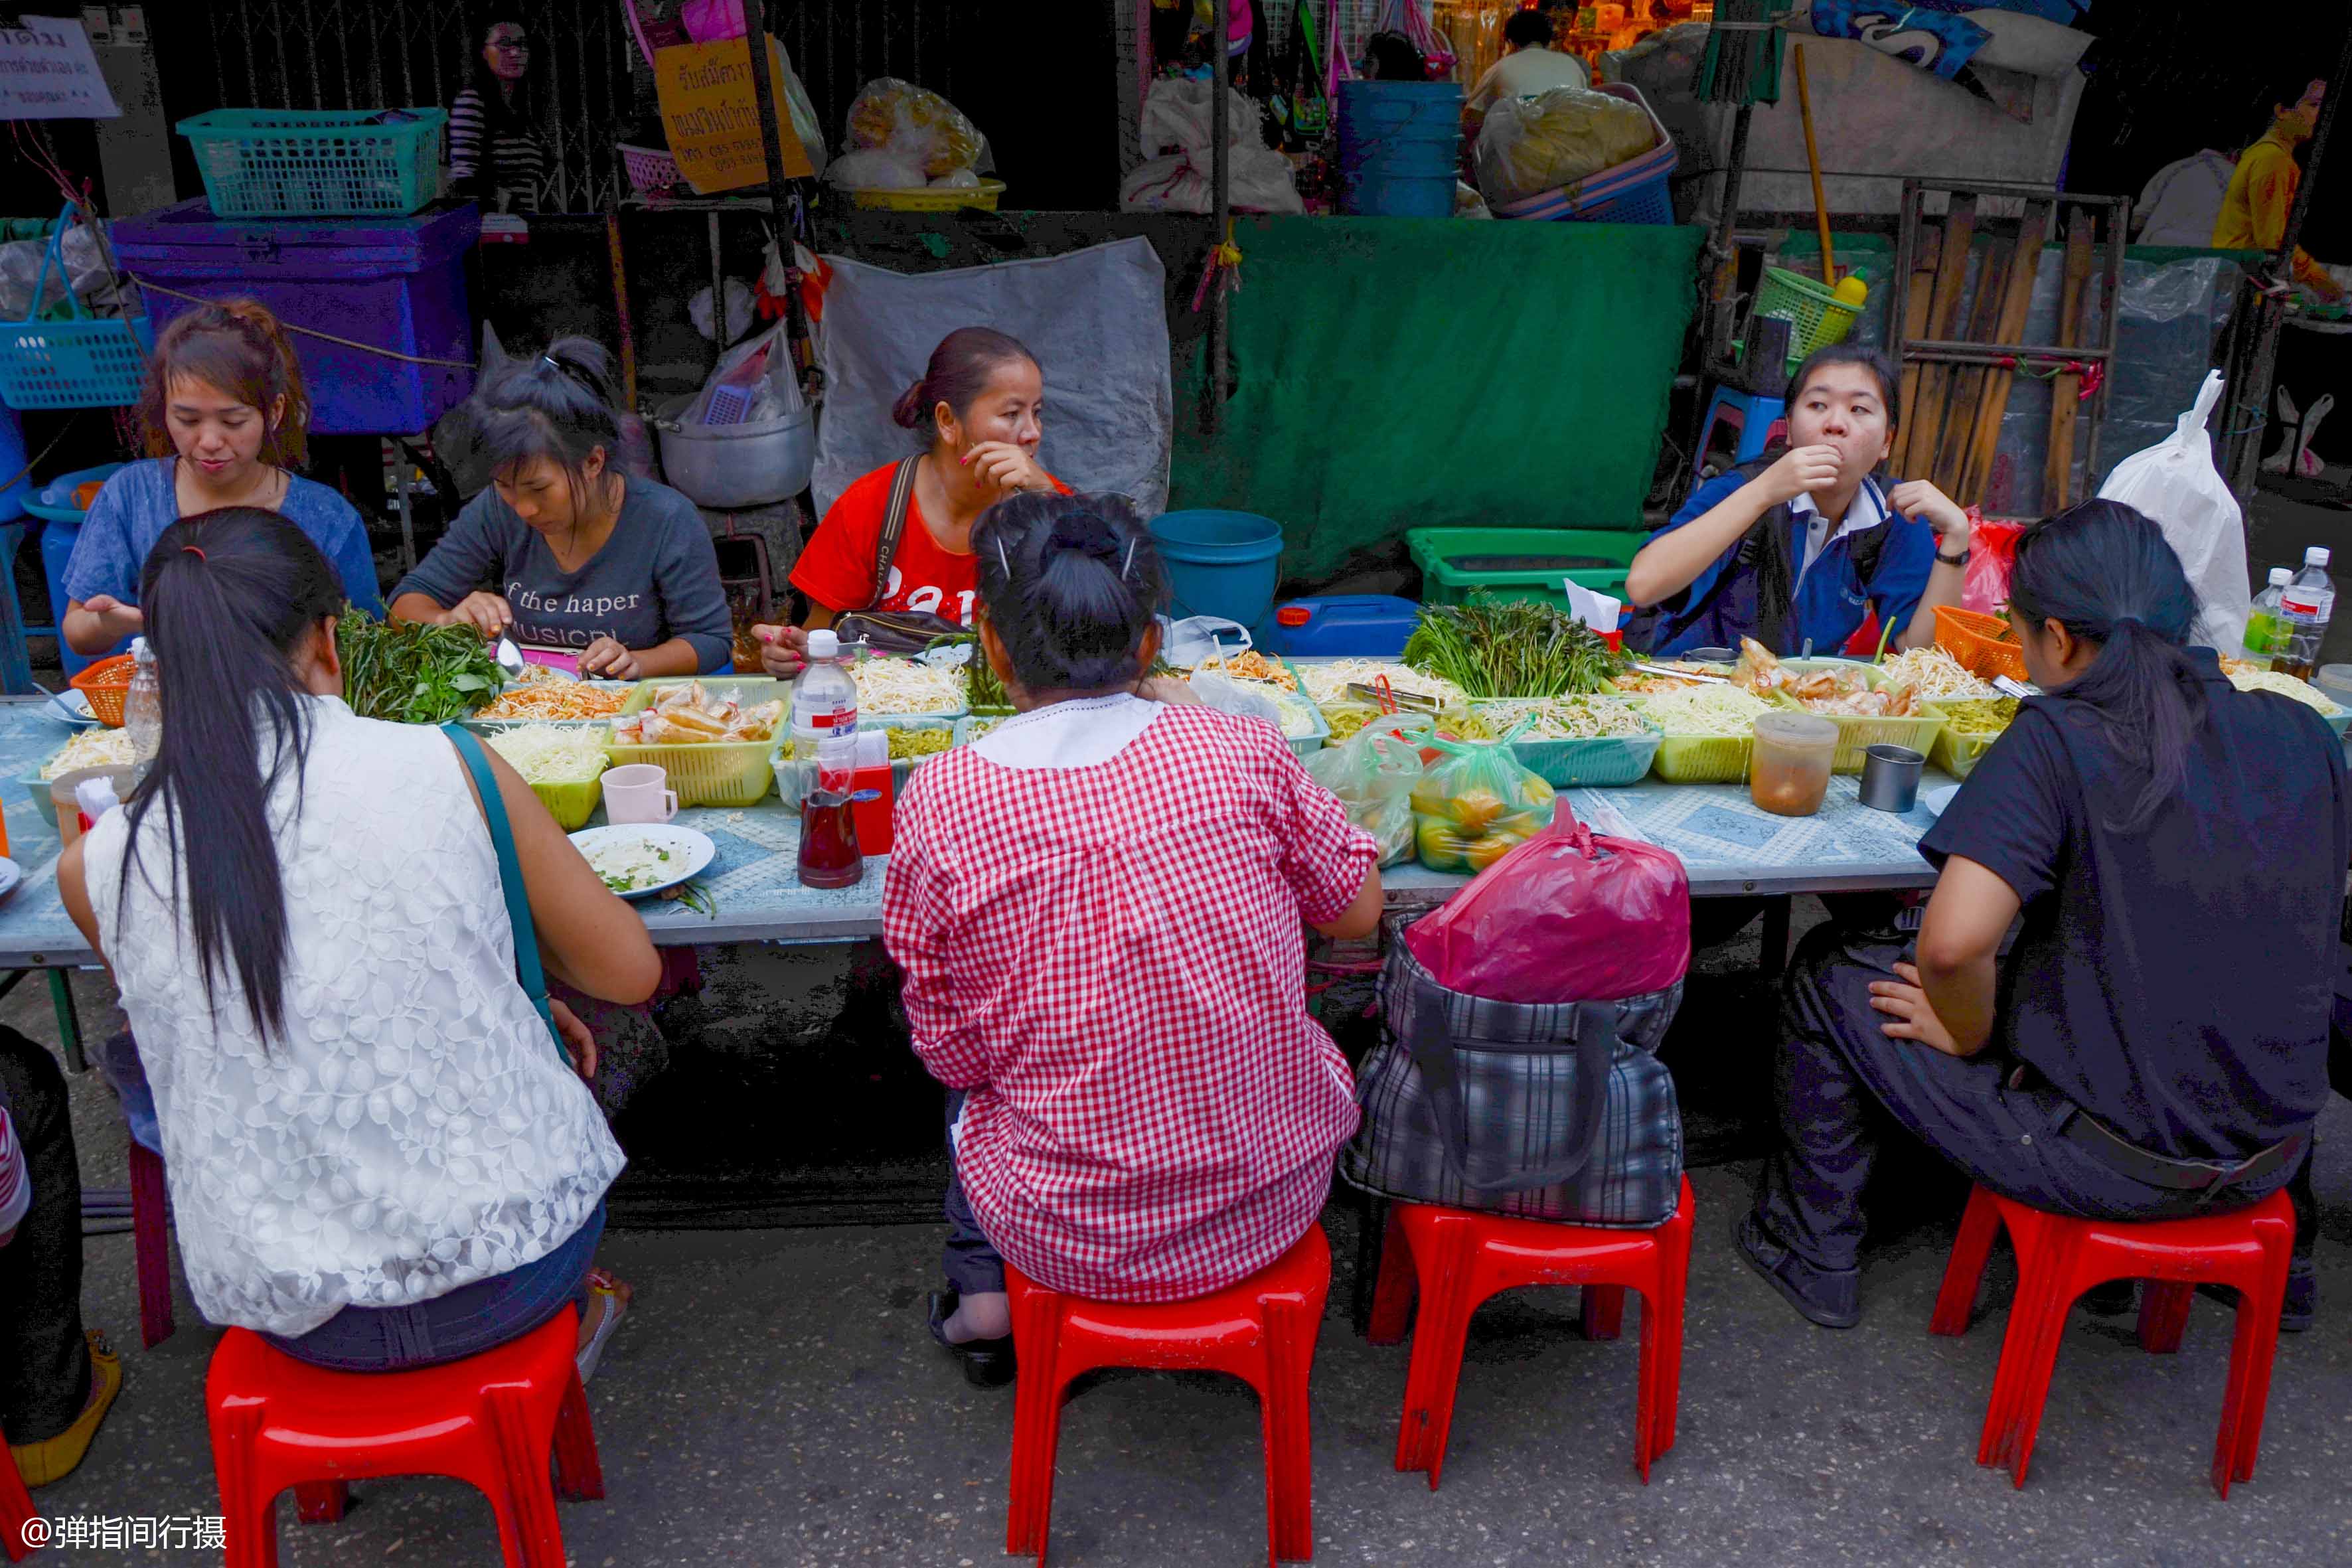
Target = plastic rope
(308,332)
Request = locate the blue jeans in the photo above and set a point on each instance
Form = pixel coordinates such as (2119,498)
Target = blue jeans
(466,1321)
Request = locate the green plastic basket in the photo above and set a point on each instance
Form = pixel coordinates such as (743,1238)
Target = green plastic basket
(1816,317)
(715,773)
(81,360)
(1956,753)
(1598,762)
(1858,733)
(1521,563)
(322,163)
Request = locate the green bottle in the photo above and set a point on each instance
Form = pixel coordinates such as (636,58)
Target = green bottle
(2267,629)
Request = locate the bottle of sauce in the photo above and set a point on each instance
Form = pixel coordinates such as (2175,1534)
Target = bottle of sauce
(829,855)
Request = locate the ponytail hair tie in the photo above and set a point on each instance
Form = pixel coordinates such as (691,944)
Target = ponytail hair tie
(192,550)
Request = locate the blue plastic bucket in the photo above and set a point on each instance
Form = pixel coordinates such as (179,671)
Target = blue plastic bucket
(1399,143)
(1220,563)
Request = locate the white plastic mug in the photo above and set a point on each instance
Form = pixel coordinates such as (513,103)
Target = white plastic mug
(638,792)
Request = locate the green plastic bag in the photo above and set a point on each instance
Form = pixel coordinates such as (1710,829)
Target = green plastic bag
(1476,804)
(1373,771)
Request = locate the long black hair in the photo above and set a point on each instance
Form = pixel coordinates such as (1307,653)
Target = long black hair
(2105,571)
(1071,584)
(959,370)
(500,117)
(559,405)
(227,595)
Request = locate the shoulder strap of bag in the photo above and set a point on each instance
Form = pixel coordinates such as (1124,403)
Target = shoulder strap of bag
(494,812)
(894,527)
(1431,1041)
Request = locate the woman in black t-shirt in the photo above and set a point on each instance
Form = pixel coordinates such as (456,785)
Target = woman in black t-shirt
(2155,1043)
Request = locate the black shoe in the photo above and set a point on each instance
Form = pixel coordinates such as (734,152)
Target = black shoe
(2112,1299)
(1831,1298)
(2302,1303)
(987,1363)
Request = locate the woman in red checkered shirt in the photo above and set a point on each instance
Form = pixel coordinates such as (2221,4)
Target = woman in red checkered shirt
(1099,908)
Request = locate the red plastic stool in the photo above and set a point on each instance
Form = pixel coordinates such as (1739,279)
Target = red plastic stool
(1459,1259)
(2059,1258)
(1261,1330)
(17,1511)
(489,1420)
(150,1244)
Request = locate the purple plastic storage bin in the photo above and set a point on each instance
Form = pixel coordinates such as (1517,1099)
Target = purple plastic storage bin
(394,283)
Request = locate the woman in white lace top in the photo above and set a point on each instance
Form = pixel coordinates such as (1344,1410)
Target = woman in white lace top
(377,1154)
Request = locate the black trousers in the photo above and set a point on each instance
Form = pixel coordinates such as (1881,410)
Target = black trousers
(1840,1080)
(44,1359)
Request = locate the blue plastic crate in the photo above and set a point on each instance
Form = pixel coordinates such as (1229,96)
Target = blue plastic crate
(273,162)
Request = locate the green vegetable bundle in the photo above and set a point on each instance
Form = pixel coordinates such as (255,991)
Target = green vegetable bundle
(414,674)
(1497,648)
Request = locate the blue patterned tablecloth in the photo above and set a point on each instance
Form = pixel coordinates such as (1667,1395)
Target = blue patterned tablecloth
(1729,847)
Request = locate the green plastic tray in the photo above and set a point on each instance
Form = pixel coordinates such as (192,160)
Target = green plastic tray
(1521,563)
(1956,753)
(1599,761)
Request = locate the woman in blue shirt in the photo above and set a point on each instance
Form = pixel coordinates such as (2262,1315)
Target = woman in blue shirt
(1795,553)
(225,418)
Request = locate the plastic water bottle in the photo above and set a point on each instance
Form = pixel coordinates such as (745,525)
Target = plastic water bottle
(142,708)
(2266,622)
(2306,605)
(825,697)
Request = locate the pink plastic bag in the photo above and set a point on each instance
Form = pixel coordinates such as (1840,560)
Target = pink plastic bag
(708,21)
(1569,916)
(1986,590)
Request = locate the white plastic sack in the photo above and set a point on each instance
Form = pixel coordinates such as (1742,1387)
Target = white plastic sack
(2175,483)
(1177,113)
(1096,319)
(1199,638)
(872,171)
(1180,182)
(780,388)
(1227,695)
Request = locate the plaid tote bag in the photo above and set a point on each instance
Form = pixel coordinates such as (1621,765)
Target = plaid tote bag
(1558,1111)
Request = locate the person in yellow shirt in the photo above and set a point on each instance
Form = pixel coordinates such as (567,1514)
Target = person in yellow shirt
(2261,191)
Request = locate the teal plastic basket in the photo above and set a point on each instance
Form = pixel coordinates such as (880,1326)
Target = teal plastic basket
(81,362)
(324,163)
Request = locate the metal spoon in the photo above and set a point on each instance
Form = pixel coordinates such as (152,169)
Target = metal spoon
(510,657)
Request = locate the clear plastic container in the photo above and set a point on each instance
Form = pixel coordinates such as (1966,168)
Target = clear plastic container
(1790,774)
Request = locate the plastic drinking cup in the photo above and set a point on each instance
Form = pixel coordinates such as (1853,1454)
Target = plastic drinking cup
(638,792)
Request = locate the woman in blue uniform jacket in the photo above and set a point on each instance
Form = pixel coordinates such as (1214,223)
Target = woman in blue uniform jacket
(1794,552)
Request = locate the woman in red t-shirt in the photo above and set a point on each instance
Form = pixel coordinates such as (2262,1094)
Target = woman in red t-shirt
(983,400)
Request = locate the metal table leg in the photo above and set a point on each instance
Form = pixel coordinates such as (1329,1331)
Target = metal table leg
(68,1019)
(1775,960)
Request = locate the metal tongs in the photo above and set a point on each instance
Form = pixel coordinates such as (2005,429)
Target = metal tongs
(2009,687)
(1389,699)
(1681,674)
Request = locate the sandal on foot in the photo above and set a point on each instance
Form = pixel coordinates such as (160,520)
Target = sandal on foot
(987,1363)
(608,1299)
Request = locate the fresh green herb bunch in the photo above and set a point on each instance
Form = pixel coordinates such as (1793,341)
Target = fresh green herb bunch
(1510,647)
(414,674)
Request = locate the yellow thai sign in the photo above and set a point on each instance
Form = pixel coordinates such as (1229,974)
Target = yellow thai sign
(712,117)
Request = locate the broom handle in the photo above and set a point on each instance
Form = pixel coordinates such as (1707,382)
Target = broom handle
(1813,167)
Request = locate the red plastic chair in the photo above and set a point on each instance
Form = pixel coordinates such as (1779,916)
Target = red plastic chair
(150,1244)
(17,1511)
(1261,1330)
(489,1420)
(2059,1258)
(1458,1259)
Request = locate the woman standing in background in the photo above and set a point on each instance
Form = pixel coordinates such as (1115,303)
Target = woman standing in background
(495,154)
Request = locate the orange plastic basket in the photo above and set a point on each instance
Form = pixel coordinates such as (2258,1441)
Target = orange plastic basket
(106,684)
(1981,642)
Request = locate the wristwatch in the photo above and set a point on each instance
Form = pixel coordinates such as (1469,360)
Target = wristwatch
(1944,559)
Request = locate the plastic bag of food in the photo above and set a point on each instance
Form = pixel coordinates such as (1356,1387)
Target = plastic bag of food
(1227,695)
(914,125)
(1474,805)
(872,171)
(1373,773)
(1538,143)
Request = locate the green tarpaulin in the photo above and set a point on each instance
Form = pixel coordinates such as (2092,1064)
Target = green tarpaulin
(1398,373)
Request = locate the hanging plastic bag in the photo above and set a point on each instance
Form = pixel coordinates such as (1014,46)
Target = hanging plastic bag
(914,125)
(774,395)
(1372,772)
(1992,556)
(1548,140)
(1569,916)
(1476,805)
(2175,484)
